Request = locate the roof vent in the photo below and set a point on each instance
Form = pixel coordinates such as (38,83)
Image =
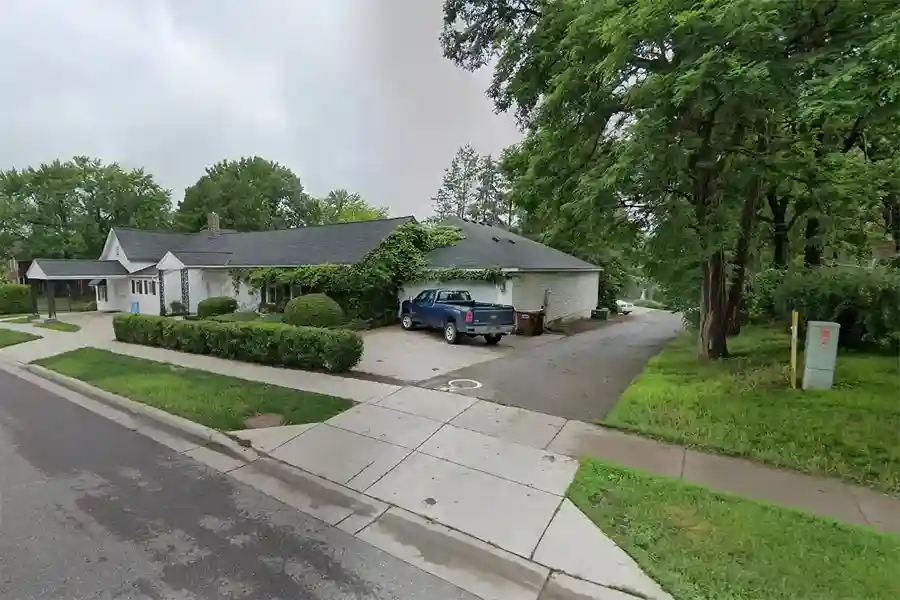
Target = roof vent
(511,241)
(495,238)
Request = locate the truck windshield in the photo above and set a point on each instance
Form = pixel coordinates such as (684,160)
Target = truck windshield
(454,296)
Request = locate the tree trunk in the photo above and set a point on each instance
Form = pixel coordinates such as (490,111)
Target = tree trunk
(741,258)
(892,218)
(812,252)
(778,208)
(713,309)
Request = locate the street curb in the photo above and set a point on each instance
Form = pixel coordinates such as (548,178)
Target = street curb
(203,435)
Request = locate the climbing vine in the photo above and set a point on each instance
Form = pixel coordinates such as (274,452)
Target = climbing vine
(369,288)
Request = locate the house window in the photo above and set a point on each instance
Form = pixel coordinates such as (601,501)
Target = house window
(152,285)
(270,294)
(134,287)
(101,293)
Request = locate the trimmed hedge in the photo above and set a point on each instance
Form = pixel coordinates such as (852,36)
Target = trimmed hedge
(866,302)
(15,299)
(216,305)
(314,310)
(309,348)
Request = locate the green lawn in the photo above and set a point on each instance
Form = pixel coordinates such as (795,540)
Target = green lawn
(214,400)
(743,406)
(701,545)
(58,326)
(8,337)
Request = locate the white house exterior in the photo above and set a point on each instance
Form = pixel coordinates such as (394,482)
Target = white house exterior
(537,277)
(146,271)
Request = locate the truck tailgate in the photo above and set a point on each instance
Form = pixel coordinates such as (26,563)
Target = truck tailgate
(501,315)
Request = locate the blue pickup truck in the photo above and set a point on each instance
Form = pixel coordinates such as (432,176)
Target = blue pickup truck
(455,313)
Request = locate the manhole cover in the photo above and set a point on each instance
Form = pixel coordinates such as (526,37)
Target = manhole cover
(464,384)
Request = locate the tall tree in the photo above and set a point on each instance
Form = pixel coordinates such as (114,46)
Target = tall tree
(675,115)
(250,194)
(458,187)
(341,206)
(491,202)
(65,209)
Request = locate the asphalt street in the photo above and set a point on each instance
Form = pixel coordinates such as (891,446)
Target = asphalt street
(579,377)
(91,509)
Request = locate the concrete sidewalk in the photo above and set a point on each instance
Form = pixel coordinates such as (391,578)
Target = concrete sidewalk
(452,477)
(817,495)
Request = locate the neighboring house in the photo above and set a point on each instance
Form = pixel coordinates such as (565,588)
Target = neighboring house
(540,277)
(144,271)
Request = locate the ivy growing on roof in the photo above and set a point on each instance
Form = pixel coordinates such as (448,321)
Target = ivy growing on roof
(369,288)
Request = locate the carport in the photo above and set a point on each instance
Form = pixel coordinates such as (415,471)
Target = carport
(53,271)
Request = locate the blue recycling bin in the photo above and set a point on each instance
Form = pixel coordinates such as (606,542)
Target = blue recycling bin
(135,308)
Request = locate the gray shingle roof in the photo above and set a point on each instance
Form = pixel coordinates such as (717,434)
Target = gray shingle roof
(341,243)
(203,259)
(55,267)
(149,246)
(146,271)
(485,247)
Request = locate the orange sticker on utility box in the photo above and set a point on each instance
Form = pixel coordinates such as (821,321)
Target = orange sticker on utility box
(824,336)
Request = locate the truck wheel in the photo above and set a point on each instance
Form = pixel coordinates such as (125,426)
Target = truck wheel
(492,339)
(450,333)
(406,322)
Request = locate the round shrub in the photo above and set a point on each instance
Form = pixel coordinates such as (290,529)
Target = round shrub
(216,305)
(314,310)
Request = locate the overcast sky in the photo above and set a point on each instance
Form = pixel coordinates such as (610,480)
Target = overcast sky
(347,93)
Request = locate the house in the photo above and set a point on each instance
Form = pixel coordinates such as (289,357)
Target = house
(145,271)
(538,277)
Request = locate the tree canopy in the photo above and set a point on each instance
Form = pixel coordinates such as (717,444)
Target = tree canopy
(710,132)
(474,187)
(65,209)
(249,194)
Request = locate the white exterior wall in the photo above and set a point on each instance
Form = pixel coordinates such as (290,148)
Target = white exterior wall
(482,291)
(572,295)
(196,288)
(148,304)
(172,287)
(216,283)
(247,298)
(115,295)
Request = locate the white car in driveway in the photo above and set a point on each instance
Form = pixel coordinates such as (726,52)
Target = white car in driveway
(625,308)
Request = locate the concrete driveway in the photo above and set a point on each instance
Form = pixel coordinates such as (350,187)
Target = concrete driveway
(410,356)
(578,377)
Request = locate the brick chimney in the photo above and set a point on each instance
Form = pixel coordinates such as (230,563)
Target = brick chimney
(212,224)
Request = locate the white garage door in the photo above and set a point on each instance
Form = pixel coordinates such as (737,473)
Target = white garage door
(567,295)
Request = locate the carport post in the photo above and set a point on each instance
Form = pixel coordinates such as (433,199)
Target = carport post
(34,296)
(51,299)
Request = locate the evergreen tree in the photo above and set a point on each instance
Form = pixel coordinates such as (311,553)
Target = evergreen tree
(458,187)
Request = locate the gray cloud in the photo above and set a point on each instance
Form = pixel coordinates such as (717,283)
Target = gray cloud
(348,93)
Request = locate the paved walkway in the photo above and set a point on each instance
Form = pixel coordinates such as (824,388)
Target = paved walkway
(817,495)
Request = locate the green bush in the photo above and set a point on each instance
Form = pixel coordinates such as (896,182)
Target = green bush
(178,308)
(759,299)
(866,302)
(216,305)
(236,317)
(311,348)
(314,310)
(15,299)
